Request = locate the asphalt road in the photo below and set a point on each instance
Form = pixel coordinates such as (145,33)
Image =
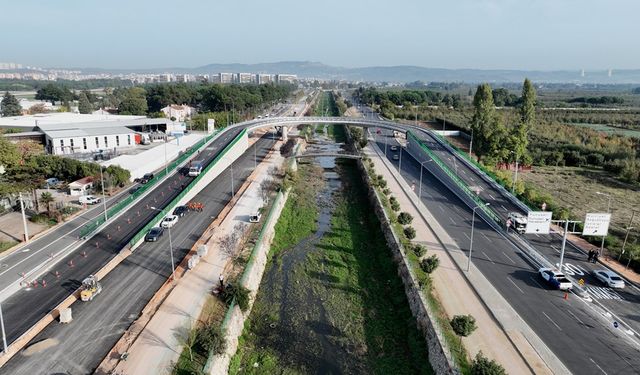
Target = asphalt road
(24,308)
(583,343)
(97,325)
(625,303)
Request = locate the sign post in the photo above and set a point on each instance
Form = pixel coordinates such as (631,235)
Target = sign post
(596,224)
(538,222)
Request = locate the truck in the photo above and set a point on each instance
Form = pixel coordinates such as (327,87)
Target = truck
(90,288)
(517,221)
(196,168)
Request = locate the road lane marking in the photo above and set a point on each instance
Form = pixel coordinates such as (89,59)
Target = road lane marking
(503,207)
(594,362)
(576,318)
(555,248)
(466,236)
(514,284)
(551,320)
(511,260)
(453,221)
(483,235)
(485,254)
(440,207)
(602,293)
(492,197)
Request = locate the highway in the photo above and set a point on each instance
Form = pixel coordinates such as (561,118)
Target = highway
(567,327)
(27,306)
(98,324)
(624,303)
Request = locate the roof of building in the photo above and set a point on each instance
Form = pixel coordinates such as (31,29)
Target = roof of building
(83,181)
(60,118)
(90,132)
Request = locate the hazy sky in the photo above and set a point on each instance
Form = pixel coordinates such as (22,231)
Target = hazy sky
(487,34)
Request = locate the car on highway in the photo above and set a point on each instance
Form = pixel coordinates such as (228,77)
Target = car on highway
(169,221)
(154,234)
(394,148)
(517,221)
(180,211)
(555,279)
(609,278)
(144,179)
(88,199)
(134,189)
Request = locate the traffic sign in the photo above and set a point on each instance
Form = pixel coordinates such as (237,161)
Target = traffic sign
(596,224)
(538,222)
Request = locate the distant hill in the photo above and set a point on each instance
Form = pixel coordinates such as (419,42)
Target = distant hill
(404,73)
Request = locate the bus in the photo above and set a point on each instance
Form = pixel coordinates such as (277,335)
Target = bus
(196,168)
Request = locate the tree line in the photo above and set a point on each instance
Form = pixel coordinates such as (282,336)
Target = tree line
(371,96)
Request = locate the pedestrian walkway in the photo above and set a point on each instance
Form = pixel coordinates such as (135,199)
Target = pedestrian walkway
(453,290)
(158,344)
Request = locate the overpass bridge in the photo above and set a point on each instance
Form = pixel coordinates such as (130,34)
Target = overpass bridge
(328,154)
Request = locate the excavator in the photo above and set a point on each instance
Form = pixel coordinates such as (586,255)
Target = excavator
(90,288)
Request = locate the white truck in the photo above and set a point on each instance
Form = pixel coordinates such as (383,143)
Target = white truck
(517,221)
(196,168)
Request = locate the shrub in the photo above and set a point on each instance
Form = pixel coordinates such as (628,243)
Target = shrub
(419,250)
(463,325)
(483,366)
(409,232)
(240,293)
(210,338)
(382,183)
(429,264)
(394,204)
(405,218)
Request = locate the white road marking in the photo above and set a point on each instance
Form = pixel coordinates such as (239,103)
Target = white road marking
(485,254)
(503,207)
(453,221)
(487,238)
(514,284)
(492,197)
(440,207)
(575,317)
(467,236)
(472,179)
(511,260)
(594,362)
(555,248)
(602,293)
(551,320)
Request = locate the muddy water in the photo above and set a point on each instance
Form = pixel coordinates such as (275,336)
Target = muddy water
(301,331)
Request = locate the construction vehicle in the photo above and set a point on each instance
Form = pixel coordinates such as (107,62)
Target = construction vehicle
(90,288)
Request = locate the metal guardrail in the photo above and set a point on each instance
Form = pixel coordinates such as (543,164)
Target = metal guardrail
(90,227)
(460,184)
(137,237)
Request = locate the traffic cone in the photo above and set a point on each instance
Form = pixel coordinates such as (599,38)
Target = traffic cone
(84,253)
(118,228)
(57,275)
(97,246)
(566,295)
(138,213)
(44,283)
(71,263)
(108,236)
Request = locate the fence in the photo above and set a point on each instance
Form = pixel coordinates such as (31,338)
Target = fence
(454,177)
(113,210)
(184,192)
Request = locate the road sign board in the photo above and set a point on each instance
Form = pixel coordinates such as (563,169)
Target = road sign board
(538,222)
(596,224)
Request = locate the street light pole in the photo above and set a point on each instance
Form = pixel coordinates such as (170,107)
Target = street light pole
(255,156)
(421,167)
(515,177)
(471,143)
(473,221)
(608,211)
(232,188)
(4,335)
(173,267)
(626,236)
(104,198)
(166,166)
(564,243)
(24,219)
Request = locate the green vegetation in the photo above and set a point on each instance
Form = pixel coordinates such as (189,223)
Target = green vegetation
(483,366)
(6,245)
(405,218)
(463,325)
(9,106)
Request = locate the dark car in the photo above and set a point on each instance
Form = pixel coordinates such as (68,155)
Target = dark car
(180,211)
(134,189)
(154,234)
(144,179)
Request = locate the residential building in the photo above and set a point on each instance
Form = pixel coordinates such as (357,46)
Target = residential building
(264,78)
(244,78)
(286,78)
(179,112)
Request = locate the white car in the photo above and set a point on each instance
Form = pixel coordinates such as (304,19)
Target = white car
(88,199)
(609,278)
(555,279)
(255,218)
(169,221)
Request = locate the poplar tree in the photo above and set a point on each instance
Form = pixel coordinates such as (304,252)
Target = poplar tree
(10,105)
(527,119)
(488,129)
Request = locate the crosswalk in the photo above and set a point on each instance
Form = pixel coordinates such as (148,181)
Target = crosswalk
(602,293)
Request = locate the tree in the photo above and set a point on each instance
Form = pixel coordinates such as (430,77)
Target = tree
(405,218)
(419,250)
(84,106)
(483,366)
(38,108)
(527,114)
(211,338)
(266,186)
(240,293)
(134,102)
(46,198)
(10,106)
(409,232)
(53,93)
(429,264)
(188,338)
(463,325)
(488,130)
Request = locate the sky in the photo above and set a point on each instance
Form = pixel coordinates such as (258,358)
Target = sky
(480,34)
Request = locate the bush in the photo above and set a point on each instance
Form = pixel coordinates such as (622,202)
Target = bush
(409,232)
(463,325)
(429,264)
(419,250)
(405,218)
(395,206)
(210,338)
(386,191)
(483,366)
(240,293)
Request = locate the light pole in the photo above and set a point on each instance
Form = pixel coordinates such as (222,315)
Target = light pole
(173,268)
(166,166)
(471,143)
(626,236)
(608,211)
(232,188)
(255,156)
(515,177)
(4,335)
(24,219)
(104,198)
(421,167)
(473,220)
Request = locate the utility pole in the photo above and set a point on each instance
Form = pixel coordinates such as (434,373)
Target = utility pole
(515,178)
(4,335)
(564,243)
(24,219)
(473,221)
(608,211)
(232,187)
(104,198)
(626,236)
(471,143)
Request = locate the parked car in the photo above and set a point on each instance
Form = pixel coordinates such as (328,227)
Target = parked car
(134,189)
(609,278)
(144,179)
(180,211)
(555,279)
(169,221)
(255,218)
(88,199)
(51,183)
(154,234)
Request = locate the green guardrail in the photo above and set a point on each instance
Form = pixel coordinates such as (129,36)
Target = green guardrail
(113,210)
(188,188)
(457,180)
